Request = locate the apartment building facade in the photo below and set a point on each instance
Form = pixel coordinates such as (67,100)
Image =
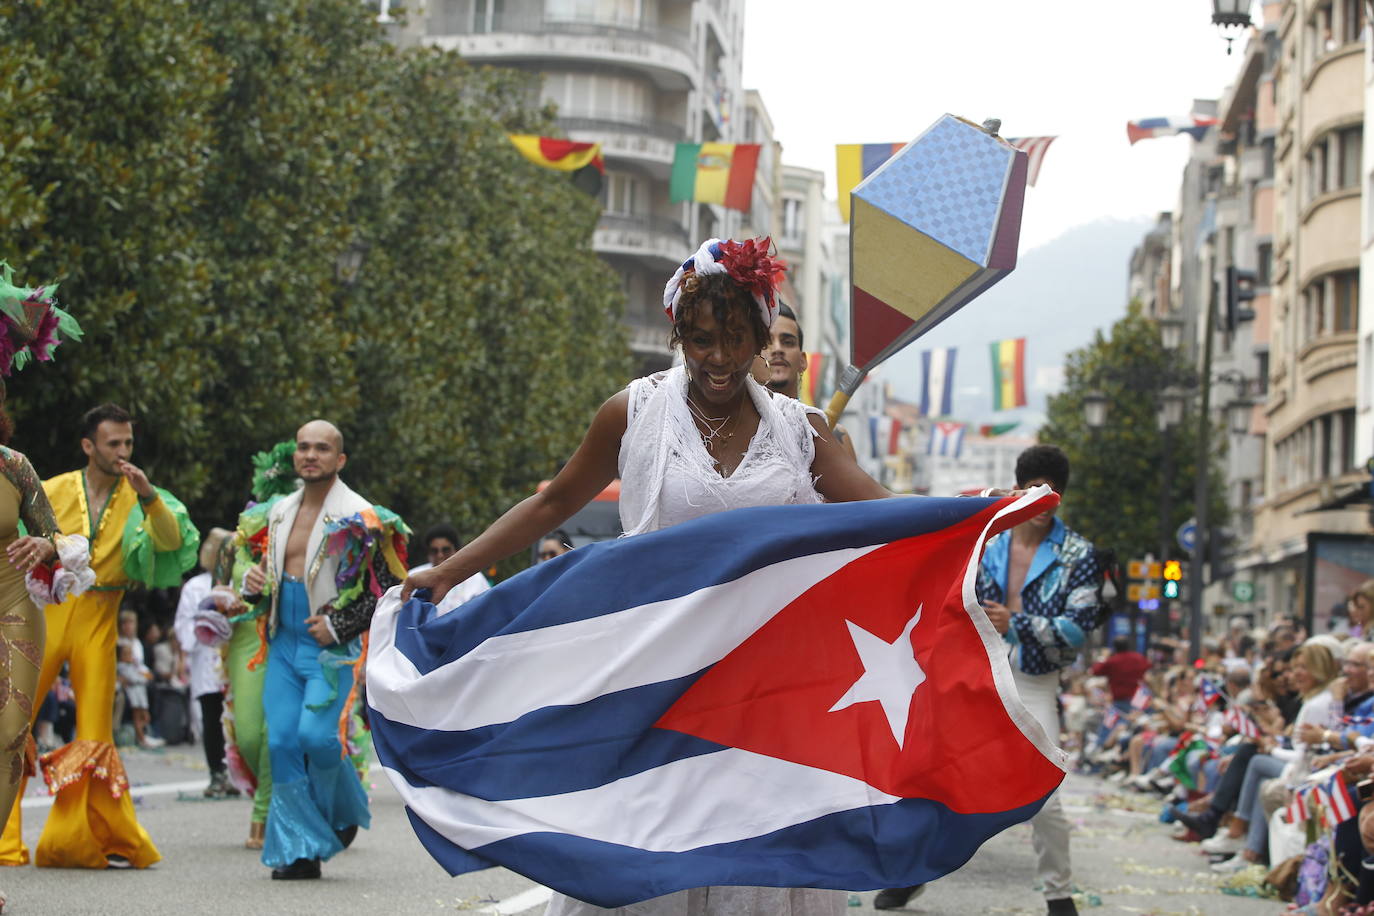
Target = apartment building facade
(637,76)
(1310,548)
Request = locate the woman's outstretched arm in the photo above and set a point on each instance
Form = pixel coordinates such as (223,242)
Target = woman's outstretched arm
(587,473)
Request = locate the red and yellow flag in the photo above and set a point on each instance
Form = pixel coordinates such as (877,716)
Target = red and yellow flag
(810,392)
(563,155)
(714,173)
(1009,373)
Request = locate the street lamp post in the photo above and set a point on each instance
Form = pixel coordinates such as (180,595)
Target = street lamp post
(1170,416)
(1231,14)
(1202,485)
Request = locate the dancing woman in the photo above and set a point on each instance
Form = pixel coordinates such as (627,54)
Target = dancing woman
(700,438)
(44,566)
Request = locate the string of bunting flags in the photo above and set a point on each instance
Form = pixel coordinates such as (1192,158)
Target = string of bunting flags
(723,173)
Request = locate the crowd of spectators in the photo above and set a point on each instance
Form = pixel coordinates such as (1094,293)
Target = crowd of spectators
(1262,752)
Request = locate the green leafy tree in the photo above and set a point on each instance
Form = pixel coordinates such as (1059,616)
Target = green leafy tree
(1121,472)
(199,179)
(503,354)
(108,110)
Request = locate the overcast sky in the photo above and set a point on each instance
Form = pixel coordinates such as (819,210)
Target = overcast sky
(874,71)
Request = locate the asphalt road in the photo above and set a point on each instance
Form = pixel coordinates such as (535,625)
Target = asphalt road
(1124,863)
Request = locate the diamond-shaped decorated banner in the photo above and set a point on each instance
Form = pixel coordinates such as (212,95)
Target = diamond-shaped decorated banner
(930,230)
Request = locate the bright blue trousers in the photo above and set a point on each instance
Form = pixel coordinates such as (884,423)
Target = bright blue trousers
(316,791)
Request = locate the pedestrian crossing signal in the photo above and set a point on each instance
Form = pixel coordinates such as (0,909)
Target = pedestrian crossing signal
(1173,574)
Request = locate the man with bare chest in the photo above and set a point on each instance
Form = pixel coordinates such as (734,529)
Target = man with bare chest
(1039,585)
(329,553)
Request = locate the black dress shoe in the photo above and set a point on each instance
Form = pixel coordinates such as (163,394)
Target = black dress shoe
(299,870)
(894,898)
(1204,825)
(346,835)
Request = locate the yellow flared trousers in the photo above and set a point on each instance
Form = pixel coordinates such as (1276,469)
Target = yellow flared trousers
(92,817)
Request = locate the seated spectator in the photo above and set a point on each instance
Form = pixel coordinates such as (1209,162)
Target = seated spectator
(1246,839)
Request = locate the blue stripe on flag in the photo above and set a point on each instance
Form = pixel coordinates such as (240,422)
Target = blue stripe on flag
(947,397)
(724,547)
(873,155)
(918,841)
(602,740)
(925,383)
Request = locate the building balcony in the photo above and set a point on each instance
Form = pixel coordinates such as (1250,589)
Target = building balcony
(663,53)
(649,142)
(653,240)
(1333,90)
(1331,226)
(649,343)
(1326,354)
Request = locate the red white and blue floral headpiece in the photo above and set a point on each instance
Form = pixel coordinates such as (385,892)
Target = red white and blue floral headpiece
(748,263)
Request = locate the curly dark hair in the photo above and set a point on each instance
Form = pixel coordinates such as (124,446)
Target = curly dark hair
(726,297)
(1046,462)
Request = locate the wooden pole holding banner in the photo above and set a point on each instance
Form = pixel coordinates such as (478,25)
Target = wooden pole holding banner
(850,380)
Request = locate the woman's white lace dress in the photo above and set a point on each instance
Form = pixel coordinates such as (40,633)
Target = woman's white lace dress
(668,477)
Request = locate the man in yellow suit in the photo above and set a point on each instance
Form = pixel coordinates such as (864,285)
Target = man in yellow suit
(140,533)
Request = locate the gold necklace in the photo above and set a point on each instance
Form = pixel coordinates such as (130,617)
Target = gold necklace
(715,432)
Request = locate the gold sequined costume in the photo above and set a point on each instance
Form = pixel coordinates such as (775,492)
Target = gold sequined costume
(153,542)
(21,621)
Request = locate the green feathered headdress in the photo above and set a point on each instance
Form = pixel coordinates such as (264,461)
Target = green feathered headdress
(274,473)
(31,324)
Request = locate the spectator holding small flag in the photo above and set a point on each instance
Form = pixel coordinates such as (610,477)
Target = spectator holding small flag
(1314,669)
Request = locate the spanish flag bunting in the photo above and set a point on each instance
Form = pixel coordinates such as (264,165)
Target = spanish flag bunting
(563,155)
(714,173)
(810,392)
(1009,373)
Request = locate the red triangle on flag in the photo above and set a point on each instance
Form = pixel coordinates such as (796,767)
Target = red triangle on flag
(775,693)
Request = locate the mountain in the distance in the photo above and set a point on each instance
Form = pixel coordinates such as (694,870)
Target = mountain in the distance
(1058,295)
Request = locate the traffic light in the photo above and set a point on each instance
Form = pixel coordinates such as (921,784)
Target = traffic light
(1240,289)
(1173,575)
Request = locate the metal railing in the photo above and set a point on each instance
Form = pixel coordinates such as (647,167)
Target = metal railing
(665,130)
(598,28)
(646,224)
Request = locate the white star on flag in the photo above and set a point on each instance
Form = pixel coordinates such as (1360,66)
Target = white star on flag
(891,675)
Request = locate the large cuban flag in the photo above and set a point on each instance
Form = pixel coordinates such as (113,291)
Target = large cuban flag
(788,696)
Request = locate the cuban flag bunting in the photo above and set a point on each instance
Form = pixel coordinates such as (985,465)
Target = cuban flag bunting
(1297,808)
(946,439)
(791,696)
(1241,723)
(1142,698)
(1194,126)
(1342,809)
(937,392)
